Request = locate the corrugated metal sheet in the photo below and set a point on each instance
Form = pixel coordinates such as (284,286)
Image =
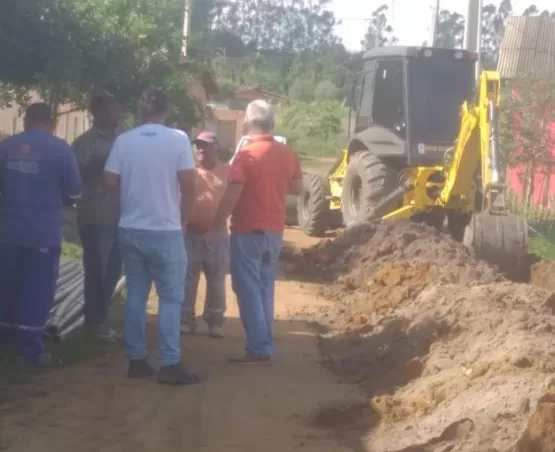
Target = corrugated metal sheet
(528,48)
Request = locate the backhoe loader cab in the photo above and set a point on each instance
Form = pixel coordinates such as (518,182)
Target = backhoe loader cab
(412,106)
(407,102)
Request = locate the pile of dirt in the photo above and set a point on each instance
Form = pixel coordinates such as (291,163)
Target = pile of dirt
(373,268)
(451,355)
(541,275)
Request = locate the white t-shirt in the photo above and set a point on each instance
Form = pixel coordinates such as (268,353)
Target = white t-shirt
(147,160)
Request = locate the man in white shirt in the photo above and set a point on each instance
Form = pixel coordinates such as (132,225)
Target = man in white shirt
(153,168)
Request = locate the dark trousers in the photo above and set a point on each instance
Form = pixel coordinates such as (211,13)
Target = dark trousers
(102,265)
(27,285)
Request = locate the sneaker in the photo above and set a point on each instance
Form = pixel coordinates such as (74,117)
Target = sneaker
(140,368)
(105,333)
(216,331)
(177,375)
(187,329)
(250,358)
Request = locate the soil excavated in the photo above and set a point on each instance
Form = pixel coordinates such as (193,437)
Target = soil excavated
(452,356)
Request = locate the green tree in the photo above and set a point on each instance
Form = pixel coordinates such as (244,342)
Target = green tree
(326,91)
(291,26)
(380,32)
(526,131)
(449,30)
(533,10)
(312,127)
(68,48)
(494,22)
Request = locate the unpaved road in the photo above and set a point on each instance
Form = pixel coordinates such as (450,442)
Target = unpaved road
(93,407)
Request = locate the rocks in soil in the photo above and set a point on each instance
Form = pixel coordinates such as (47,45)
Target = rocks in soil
(451,355)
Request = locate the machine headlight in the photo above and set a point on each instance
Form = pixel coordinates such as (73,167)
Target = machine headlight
(459,55)
(427,53)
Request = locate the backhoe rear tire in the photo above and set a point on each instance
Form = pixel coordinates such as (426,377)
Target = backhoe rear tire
(368,179)
(313,206)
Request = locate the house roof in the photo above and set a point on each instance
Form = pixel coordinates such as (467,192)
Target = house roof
(259,90)
(528,47)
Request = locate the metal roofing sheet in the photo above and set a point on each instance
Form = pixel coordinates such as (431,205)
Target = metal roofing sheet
(528,47)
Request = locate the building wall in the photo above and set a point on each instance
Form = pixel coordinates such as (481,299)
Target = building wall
(229,127)
(70,123)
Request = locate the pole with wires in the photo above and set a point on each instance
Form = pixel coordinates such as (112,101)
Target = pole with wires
(473,30)
(433,25)
(186,27)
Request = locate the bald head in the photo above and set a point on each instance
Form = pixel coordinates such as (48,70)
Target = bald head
(260,117)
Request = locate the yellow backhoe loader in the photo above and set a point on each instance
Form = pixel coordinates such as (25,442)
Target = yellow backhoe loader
(424,147)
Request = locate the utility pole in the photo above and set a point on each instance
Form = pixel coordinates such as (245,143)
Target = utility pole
(473,30)
(433,25)
(186,27)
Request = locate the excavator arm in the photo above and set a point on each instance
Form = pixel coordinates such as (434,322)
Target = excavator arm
(476,151)
(495,234)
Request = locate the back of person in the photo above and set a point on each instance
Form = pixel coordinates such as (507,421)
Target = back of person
(149,158)
(33,186)
(268,168)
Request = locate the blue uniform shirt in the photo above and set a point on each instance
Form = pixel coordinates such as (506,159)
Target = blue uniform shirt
(38,176)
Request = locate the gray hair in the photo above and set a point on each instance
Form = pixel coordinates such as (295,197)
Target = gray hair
(260,116)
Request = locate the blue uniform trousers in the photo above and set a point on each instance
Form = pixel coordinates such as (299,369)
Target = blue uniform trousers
(27,286)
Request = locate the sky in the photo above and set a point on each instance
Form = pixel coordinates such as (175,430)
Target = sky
(410,18)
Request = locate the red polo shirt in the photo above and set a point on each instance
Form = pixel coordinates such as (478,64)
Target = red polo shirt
(266,170)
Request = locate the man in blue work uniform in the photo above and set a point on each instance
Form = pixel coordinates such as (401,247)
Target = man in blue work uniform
(38,176)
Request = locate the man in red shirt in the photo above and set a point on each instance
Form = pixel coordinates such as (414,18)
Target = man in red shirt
(261,176)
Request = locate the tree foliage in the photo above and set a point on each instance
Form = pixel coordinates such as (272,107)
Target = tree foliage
(64,49)
(312,127)
(527,131)
(380,32)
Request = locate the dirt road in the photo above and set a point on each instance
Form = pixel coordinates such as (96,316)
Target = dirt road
(93,407)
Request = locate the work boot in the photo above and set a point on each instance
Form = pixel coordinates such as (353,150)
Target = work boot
(140,368)
(216,331)
(177,375)
(187,329)
(250,358)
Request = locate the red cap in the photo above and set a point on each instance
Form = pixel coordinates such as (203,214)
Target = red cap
(206,137)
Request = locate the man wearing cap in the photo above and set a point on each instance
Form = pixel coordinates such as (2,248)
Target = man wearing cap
(207,243)
(98,214)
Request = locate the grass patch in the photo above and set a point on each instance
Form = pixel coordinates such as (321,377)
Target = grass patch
(72,251)
(79,347)
(543,247)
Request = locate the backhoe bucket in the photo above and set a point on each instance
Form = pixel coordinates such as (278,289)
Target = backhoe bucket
(499,239)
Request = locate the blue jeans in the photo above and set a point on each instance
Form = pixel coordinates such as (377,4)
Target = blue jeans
(102,265)
(27,284)
(253,263)
(159,257)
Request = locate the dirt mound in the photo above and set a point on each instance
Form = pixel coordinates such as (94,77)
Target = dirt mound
(359,252)
(540,435)
(451,355)
(541,275)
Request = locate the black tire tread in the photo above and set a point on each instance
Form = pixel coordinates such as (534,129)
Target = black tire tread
(378,179)
(317,222)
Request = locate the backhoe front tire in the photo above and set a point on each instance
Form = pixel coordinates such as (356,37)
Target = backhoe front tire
(313,206)
(368,179)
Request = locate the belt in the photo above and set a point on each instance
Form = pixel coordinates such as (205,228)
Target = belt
(258,231)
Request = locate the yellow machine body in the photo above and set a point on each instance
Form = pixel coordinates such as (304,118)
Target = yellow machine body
(492,231)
